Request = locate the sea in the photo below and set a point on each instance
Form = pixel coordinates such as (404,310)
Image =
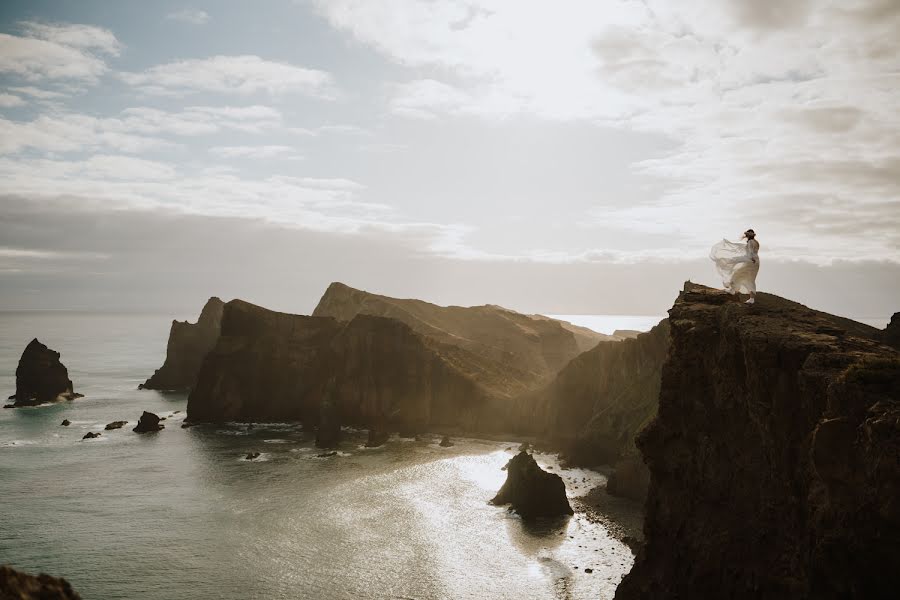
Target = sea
(182,513)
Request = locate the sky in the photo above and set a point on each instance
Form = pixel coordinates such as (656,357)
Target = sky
(576,157)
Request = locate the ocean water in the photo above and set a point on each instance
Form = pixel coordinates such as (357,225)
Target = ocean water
(182,514)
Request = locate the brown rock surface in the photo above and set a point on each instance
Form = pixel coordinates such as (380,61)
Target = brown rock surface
(531,491)
(774,457)
(188,345)
(16,585)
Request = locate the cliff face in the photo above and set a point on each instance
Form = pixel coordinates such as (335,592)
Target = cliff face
(774,457)
(265,365)
(188,345)
(371,370)
(531,350)
(41,377)
(891,334)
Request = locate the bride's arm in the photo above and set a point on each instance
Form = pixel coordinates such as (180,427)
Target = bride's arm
(753,250)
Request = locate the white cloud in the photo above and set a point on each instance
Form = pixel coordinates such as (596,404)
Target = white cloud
(9,101)
(258,152)
(189,15)
(57,52)
(38,93)
(135,130)
(245,74)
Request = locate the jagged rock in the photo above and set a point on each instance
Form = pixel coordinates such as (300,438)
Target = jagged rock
(774,462)
(524,447)
(115,425)
(40,377)
(327,454)
(377,437)
(252,455)
(91,435)
(445,442)
(187,424)
(188,345)
(16,585)
(531,491)
(148,423)
(66,423)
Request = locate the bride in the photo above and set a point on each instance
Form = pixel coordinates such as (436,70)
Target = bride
(738,264)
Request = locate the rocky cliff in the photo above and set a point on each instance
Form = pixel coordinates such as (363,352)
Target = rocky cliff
(531,350)
(41,377)
(774,456)
(188,345)
(375,371)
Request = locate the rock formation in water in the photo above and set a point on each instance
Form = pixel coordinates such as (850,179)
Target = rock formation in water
(148,422)
(188,345)
(40,377)
(446,442)
(531,491)
(529,350)
(66,423)
(774,457)
(91,435)
(16,585)
(115,425)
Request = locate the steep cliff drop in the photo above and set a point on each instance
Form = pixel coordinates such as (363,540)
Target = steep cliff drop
(188,345)
(891,334)
(41,377)
(774,457)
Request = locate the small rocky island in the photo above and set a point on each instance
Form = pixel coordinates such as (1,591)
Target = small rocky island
(41,377)
(531,491)
(148,423)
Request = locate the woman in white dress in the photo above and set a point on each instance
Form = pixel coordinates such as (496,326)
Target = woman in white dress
(738,264)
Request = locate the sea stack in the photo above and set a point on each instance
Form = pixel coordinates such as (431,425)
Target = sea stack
(41,377)
(148,423)
(774,463)
(531,491)
(188,345)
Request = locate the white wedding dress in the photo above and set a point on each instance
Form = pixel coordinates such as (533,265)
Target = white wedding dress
(737,264)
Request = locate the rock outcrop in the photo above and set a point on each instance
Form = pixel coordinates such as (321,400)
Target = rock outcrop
(41,377)
(275,366)
(91,435)
(891,334)
(531,491)
(188,345)
(530,350)
(16,585)
(148,423)
(774,457)
(115,425)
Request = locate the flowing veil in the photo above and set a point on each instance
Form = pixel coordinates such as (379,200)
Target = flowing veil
(727,256)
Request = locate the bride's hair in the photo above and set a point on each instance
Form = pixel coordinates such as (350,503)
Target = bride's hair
(749,234)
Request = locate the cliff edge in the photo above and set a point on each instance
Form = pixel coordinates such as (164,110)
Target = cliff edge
(188,345)
(774,456)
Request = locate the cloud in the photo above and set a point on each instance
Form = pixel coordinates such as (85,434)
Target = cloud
(57,52)
(243,75)
(136,129)
(258,152)
(189,15)
(763,101)
(9,101)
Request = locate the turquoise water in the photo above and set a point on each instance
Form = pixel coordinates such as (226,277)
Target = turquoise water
(181,514)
